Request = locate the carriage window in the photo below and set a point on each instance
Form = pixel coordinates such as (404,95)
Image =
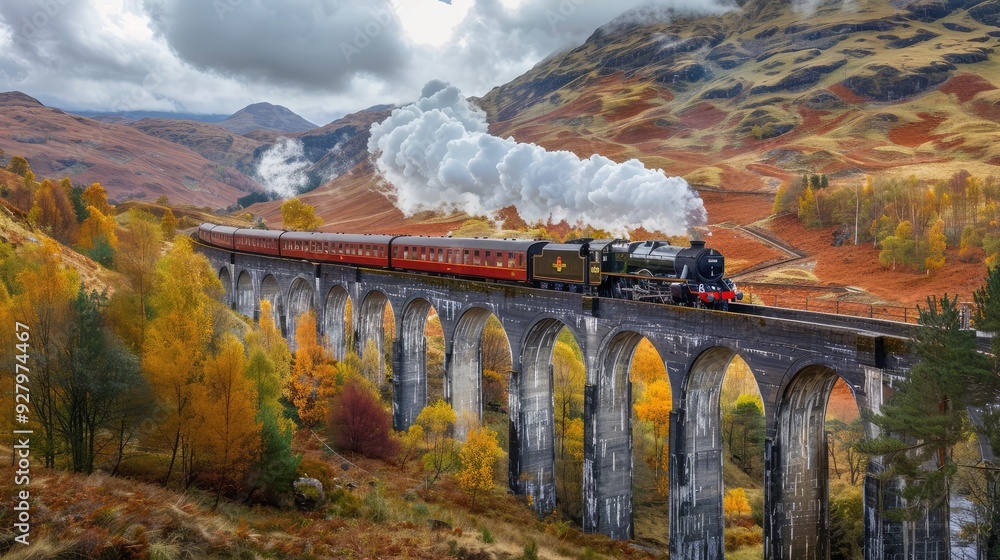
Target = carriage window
(510,259)
(489,255)
(465,258)
(440,255)
(520,260)
(475,259)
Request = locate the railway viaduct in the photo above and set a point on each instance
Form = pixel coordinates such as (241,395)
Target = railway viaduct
(796,357)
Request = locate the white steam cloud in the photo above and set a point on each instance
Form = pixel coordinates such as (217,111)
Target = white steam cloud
(438,155)
(281,168)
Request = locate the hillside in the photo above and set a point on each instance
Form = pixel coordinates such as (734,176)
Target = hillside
(127,162)
(842,91)
(210,141)
(267,117)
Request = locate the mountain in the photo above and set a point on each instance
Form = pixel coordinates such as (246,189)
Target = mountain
(331,150)
(124,117)
(127,162)
(766,92)
(341,145)
(265,116)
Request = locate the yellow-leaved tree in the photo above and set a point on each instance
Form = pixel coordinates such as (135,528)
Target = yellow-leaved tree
(299,216)
(735,506)
(140,243)
(95,196)
(231,432)
(437,421)
(276,347)
(176,346)
(936,246)
(168,224)
(314,376)
(98,228)
(45,304)
(478,457)
(655,408)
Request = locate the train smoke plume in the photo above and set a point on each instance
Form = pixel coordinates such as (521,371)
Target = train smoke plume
(437,154)
(281,168)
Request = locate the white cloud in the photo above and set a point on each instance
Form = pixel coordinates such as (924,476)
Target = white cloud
(320,58)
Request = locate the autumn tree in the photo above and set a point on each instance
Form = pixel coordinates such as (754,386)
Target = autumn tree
(18,165)
(140,244)
(314,375)
(56,215)
(231,433)
(359,422)
(410,443)
(98,236)
(299,216)
(44,302)
(807,209)
(95,196)
(168,224)
(568,377)
(936,245)
(23,193)
(655,408)
(478,457)
(177,345)
(437,421)
(275,346)
(735,506)
(274,468)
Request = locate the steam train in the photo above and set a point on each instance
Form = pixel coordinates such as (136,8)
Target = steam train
(653,271)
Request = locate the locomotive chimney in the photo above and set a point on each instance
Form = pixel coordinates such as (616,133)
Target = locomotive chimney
(697,244)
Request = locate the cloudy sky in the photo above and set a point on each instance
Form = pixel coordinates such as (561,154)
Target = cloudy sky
(320,58)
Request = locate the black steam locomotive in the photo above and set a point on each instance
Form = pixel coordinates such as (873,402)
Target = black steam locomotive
(652,271)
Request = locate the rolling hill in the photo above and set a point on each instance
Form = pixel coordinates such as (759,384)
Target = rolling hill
(127,162)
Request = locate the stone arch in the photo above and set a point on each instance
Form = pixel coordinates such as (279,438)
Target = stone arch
(270,290)
(227,286)
(301,299)
(532,442)
(371,328)
(607,484)
(335,321)
(696,489)
(245,303)
(798,483)
(410,370)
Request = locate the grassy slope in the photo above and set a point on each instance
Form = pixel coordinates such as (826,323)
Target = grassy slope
(388,515)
